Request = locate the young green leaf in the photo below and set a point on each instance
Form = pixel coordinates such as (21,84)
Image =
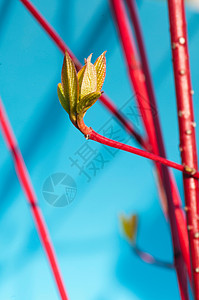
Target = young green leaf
(87,101)
(78,92)
(64,102)
(70,84)
(89,80)
(100,66)
(80,75)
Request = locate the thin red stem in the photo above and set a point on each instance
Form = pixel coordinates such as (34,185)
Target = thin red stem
(26,184)
(92,135)
(184,93)
(138,82)
(63,47)
(143,56)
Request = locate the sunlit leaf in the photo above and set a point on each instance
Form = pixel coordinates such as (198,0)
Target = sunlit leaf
(62,98)
(89,80)
(80,76)
(100,66)
(87,101)
(70,84)
(77,92)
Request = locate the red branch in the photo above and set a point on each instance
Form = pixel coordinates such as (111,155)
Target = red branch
(25,181)
(183,236)
(152,127)
(92,135)
(63,47)
(179,42)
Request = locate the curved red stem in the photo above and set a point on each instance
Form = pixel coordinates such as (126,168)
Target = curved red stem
(114,144)
(26,184)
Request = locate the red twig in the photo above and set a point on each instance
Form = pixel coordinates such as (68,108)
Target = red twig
(26,184)
(92,135)
(141,47)
(183,236)
(62,46)
(153,130)
(184,93)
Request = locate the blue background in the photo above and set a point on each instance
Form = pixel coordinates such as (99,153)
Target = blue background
(96,261)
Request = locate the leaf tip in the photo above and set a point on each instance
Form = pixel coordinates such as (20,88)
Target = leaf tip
(89,58)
